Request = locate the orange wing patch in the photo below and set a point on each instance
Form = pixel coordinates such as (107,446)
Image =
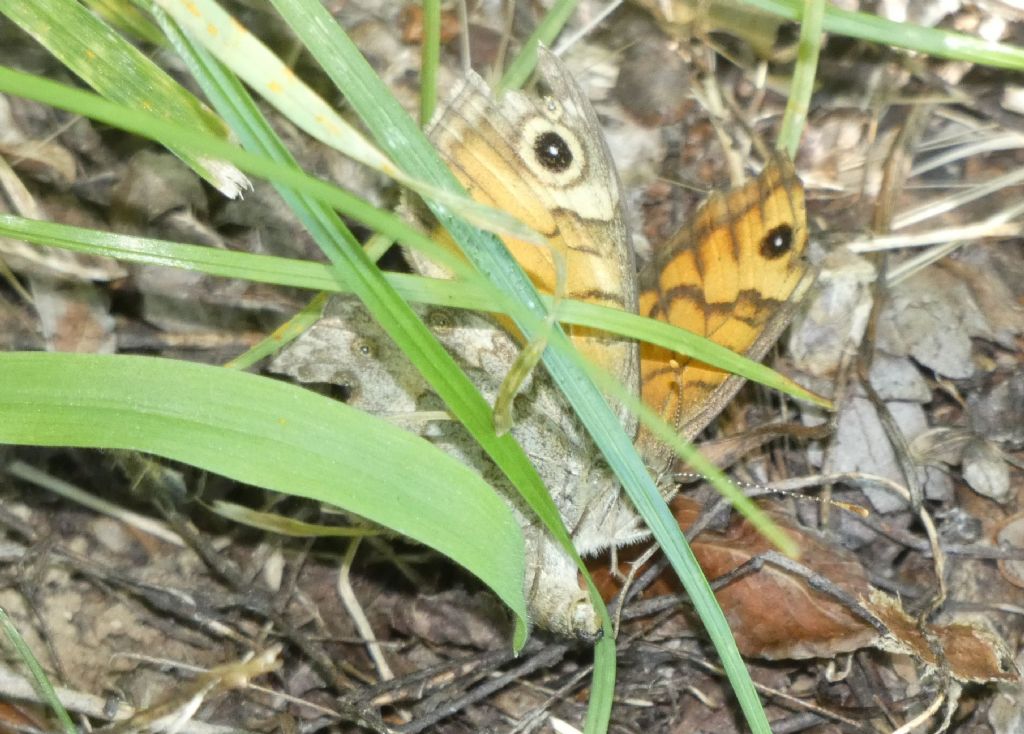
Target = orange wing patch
(731,276)
(543,160)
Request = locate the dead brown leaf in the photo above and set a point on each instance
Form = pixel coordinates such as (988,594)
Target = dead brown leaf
(820,607)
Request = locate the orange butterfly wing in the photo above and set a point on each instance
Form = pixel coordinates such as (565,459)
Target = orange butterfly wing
(732,276)
(544,160)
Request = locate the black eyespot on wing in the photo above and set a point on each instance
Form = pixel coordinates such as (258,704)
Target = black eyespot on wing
(552,151)
(777,242)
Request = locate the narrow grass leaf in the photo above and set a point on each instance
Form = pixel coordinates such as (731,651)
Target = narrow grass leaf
(932,41)
(326,41)
(402,140)
(40,681)
(150,126)
(544,34)
(801,86)
(247,56)
(360,273)
(122,74)
(454,293)
(281,525)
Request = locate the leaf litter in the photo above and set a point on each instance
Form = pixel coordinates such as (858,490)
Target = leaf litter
(944,335)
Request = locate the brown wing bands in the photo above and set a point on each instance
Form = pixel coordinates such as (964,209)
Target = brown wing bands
(486,142)
(730,276)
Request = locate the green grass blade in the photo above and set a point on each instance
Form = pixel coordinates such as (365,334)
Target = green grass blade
(320,34)
(932,41)
(544,34)
(403,141)
(40,681)
(370,285)
(449,293)
(269,434)
(122,74)
(281,525)
(248,57)
(128,19)
(401,138)
(802,82)
(454,293)
(284,334)
(602,687)
(141,123)
(430,59)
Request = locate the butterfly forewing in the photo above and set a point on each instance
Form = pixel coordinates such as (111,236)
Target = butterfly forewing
(731,276)
(544,160)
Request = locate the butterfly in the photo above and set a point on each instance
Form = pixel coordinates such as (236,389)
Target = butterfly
(731,275)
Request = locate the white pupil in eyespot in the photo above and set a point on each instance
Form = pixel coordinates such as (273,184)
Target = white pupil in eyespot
(552,151)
